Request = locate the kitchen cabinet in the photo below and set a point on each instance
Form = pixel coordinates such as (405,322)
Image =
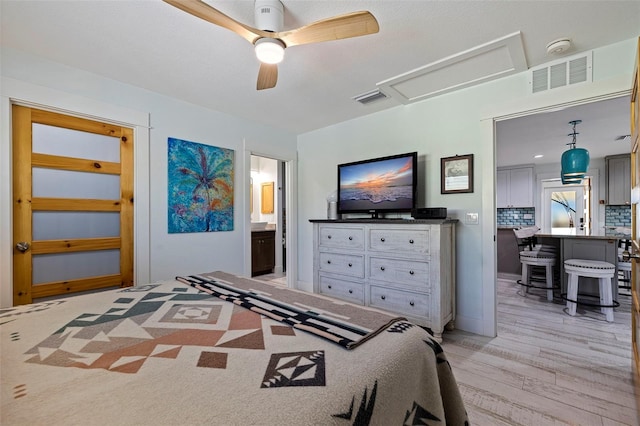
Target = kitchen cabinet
(402,266)
(618,172)
(508,252)
(514,187)
(263,252)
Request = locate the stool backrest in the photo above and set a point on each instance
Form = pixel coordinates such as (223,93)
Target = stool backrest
(526,237)
(623,245)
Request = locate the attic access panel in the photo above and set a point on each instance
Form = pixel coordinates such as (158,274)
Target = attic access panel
(489,61)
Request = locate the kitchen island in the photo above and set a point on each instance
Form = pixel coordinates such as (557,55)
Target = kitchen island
(597,246)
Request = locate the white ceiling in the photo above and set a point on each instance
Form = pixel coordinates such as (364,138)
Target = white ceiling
(153,45)
(519,139)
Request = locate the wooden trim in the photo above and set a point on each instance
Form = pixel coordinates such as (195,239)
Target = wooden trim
(75,245)
(74,164)
(75,204)
(126,207)
(55,288)
(635,232)
(22,227)
(75,123)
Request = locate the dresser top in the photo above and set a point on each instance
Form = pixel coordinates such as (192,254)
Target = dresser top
(388,221)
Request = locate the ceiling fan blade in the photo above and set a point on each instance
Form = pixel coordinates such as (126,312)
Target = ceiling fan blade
(342,26)
(267,76)
(203,11)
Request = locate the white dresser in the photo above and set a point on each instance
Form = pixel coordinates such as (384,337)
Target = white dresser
(403,266)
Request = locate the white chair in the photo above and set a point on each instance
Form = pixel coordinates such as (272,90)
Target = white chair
(603,271)
(535,255)
(529,259)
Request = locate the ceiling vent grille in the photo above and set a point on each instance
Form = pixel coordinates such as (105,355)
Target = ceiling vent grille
(367,98)
(565,72)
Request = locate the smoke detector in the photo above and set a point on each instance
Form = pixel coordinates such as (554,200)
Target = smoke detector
(558,46)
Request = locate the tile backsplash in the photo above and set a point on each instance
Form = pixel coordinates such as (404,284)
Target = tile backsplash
(516,216)
(613,216)
(616,216)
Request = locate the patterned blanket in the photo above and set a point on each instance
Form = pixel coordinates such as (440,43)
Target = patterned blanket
(171,354)
(324,317)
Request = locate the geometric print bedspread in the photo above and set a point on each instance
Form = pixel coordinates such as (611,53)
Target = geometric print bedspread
(170,354)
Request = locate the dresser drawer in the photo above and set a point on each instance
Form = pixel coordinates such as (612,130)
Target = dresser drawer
(344,264)
(399,240)
(401,272)
(341,237)
(345,290)
(403,302)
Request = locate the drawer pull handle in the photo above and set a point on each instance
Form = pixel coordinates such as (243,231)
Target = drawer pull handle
(411,303)
(350,291)
(329,262)
(329,286)
(383,297)
(382,268)
(382,239)
(350,265)
(350,238)
(410,241)
(329,236)
(411,272)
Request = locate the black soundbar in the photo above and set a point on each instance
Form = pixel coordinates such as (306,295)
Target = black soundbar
(429,213)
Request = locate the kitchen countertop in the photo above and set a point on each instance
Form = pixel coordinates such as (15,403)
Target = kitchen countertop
(598,235)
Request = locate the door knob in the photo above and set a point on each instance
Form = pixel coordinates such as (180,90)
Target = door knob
(22,246)
(626,256)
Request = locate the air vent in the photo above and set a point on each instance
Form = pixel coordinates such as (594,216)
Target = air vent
(367,98)
(565,72)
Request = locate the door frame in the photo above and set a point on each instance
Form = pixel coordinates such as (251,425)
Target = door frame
(26,94)
(291,235)
(542,102)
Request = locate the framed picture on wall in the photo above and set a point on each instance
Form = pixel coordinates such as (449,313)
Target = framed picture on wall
(456,174)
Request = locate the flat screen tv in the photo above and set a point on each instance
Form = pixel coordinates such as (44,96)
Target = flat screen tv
(378,185)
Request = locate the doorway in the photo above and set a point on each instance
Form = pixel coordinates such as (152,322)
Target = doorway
(75,231)
(268,219)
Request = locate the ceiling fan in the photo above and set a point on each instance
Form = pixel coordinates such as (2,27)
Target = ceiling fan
(270,41)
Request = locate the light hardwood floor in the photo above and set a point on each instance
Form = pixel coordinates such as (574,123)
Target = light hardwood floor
(545,367)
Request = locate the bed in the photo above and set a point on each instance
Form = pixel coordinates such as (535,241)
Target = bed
(219,349)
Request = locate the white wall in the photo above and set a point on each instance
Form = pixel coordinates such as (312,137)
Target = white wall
(30,78)
(456,123)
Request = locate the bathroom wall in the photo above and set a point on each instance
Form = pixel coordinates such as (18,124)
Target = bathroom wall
(263,170)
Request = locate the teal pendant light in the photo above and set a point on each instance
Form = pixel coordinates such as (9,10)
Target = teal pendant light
(575,161)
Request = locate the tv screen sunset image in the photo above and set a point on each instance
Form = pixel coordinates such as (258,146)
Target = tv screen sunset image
(379,185)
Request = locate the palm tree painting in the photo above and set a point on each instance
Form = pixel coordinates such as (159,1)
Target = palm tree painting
(200,184)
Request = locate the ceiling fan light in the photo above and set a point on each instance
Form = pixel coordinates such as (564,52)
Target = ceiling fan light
(269,50)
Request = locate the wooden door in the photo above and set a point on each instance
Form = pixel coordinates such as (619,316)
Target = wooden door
(635,200)
(65,238)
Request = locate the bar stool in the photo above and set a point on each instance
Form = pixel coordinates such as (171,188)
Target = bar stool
(535,256)
(530,258)
(624,266)
(604,271)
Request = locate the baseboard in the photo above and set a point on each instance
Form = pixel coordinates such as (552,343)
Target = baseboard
(470,325)
(508,276)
